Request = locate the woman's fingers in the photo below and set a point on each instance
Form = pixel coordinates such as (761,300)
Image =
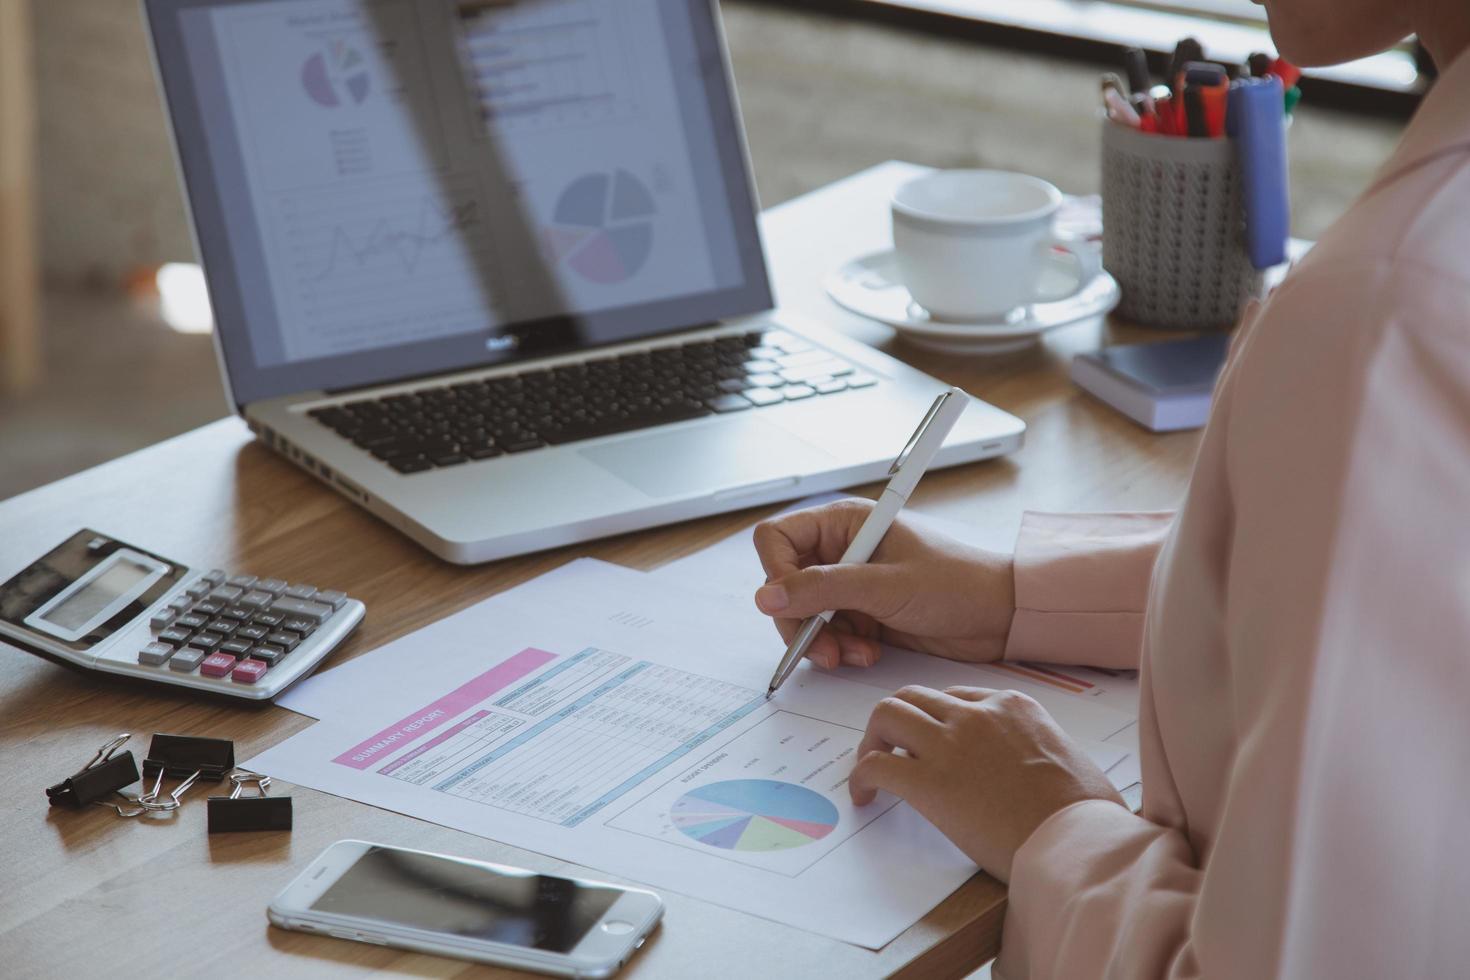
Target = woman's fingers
(896,723)
(818,534)
(868,589)
(940,705)
(882,771)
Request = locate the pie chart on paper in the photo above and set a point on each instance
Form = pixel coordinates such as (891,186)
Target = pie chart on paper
(754,815)
(602,227)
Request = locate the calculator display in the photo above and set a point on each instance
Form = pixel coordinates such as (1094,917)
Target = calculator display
(119,579)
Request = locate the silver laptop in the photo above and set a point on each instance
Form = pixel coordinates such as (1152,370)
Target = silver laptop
(491,269)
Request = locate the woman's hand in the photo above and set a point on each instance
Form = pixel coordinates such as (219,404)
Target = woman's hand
(985,767)
(921,590)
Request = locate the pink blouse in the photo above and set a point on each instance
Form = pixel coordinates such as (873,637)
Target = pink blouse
(1304,638)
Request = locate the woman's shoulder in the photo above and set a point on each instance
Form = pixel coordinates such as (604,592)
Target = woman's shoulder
(1412,231)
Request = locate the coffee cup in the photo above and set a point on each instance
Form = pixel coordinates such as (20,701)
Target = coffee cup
(971,245)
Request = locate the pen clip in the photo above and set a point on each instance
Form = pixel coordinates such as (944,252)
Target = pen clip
(928,419)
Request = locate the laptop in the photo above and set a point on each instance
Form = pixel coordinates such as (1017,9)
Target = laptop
(491,269)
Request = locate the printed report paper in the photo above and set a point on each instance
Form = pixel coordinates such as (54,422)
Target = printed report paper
(607,717)
(599,729)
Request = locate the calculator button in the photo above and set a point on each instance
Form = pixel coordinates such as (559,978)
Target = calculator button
(243,581)
(253,633)
(197,589)
(235,648)
(208,642)
(301,591)
(298,625)
(241,613)
(249,671)
(215,576)
(209,607)
(179,605)
(256,600)
(272,585)
(154,654)
(226,593)
(160,620)
(316,611)
(268,619)
(186,659)
(217,665)
(222,625)
(284,639)
(191,622)
(267,654)
(174,636)
(332,598)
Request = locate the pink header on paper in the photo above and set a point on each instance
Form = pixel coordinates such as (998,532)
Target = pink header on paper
(431,716)
(442,737)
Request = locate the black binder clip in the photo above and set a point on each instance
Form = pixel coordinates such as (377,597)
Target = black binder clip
(236,812)
(184,757)
(181,756)
(106,773)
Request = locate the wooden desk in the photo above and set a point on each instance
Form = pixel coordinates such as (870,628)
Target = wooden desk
(86,893)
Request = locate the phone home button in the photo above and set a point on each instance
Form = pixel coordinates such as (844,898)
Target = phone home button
(617,927)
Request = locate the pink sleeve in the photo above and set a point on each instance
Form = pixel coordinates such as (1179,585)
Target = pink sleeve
(1081,584)
(1125,910)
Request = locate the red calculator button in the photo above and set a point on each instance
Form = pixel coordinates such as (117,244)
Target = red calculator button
(217,665)
(249,671)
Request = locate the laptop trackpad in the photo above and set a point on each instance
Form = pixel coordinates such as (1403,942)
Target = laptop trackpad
(729,453)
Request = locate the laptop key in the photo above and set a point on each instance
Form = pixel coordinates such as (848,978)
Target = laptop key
(831,387)
(761,397)
(414,464)
(795,392)
(728,403)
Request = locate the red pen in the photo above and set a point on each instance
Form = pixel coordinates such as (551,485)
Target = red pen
(1287,72)
(1167,114)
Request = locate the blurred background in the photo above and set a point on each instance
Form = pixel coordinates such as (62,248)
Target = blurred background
(95,362)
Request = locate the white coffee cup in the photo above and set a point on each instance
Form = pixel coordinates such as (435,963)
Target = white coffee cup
(971,245)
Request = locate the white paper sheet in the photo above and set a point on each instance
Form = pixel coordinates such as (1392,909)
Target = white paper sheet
(729,568)
(605,718)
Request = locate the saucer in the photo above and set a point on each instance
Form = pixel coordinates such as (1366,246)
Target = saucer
(870,287)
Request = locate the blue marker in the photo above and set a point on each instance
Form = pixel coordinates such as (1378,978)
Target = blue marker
(1255,120)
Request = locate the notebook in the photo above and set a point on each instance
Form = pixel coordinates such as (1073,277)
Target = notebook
(1163,386)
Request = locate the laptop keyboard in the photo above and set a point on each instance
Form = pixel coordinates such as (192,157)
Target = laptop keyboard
(453,424)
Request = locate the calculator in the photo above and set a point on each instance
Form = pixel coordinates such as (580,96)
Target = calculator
(109,606)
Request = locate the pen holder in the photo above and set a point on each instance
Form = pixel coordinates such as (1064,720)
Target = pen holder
(1174,229)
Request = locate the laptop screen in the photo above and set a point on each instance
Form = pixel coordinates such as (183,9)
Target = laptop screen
(383,189)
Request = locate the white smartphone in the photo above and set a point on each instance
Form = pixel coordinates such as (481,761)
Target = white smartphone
(434,903)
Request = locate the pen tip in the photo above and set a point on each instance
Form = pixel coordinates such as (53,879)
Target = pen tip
(769,693)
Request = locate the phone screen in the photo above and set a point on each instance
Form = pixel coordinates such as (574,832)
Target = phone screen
(439,894)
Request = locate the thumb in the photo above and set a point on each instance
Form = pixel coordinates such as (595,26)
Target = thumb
(852,588)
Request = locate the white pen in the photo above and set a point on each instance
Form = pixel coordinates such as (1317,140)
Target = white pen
(904,474)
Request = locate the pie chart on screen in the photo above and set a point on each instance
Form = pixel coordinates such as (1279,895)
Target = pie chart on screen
(754,815)
(336,75)
(602,227)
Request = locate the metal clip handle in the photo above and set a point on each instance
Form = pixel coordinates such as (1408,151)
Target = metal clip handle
(924,423)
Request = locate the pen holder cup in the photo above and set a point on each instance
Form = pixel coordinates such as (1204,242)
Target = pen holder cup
(1174,229)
